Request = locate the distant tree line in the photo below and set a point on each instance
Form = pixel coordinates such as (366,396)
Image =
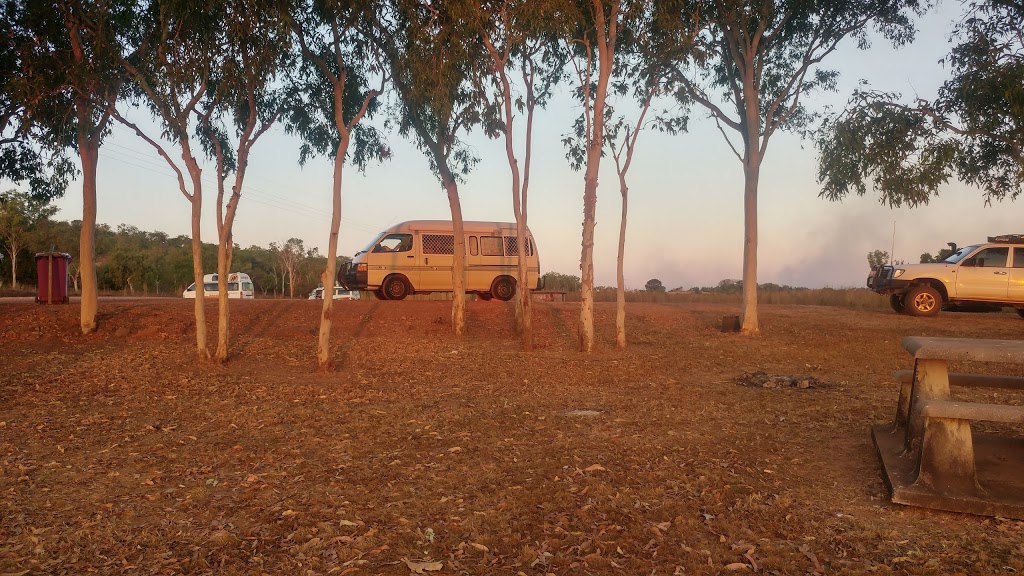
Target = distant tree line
(135,261)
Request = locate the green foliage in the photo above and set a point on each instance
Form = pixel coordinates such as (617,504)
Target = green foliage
(64,52)
(654,285)
(560,282)
(940,255)
(878,258)
(973,130)
(772,48)
(52,90)
(334,51)
(431,55)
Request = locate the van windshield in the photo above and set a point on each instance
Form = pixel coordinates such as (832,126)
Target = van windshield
(370,246)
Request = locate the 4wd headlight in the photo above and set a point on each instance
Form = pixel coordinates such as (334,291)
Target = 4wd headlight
(898,272)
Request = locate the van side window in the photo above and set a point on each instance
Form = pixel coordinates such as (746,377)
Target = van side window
(438,244)
(512,246)
(1018,257)
(491,246)
(474,248)
(992,257)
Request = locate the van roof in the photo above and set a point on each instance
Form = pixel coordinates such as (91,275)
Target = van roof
(468,226)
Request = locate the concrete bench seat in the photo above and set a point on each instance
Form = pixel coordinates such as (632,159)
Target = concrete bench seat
(968,380)
(973,411)
(965,349)
(947,449)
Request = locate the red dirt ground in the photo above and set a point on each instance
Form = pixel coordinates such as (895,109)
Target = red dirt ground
(425,453)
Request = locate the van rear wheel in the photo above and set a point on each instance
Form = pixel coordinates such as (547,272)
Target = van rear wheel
(396,288)
(503,288)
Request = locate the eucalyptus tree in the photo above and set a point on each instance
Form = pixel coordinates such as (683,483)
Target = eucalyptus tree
(332,97)
(186,46)
(67,84)
(431,52)
(245,95)
(520,36)
(973,128)
(621,138)
(753,66)
(593,41)
(639,73)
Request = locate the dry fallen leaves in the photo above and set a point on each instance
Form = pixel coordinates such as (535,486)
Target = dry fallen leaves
(421,566)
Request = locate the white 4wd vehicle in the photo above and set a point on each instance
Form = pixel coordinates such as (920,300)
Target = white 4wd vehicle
(991,273)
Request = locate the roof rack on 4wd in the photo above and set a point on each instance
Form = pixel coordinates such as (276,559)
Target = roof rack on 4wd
(1007,238)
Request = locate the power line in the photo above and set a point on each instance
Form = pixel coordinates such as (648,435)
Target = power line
(154,163)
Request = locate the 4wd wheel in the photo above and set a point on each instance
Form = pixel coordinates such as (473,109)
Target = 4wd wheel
(897,303)
(923,300)
(395,288)
(503,288)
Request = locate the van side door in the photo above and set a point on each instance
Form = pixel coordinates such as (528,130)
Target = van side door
(437,255)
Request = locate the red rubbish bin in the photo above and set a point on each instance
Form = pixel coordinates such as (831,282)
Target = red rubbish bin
(52,269)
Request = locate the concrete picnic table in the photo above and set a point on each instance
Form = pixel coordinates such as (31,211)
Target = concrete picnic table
(930,456)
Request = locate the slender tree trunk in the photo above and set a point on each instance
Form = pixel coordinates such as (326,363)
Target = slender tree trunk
(459,257)
(586,335)
(89,155)
(620,278)
(606,51)
(14,264)
(751,173)
(323,351)
(586,332)
(524,307)
(751,126)
(524,324)
(197,260)
(223,304)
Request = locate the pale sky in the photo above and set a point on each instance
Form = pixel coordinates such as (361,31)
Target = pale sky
(685,213)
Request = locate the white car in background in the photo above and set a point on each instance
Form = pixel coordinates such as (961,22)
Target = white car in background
(239,286)
(987,274)
(340,293)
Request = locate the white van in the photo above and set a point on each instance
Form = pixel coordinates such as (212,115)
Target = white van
(416,258)
(239,286)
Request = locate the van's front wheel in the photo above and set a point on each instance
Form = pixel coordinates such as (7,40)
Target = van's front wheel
(503,288)
(396,288)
